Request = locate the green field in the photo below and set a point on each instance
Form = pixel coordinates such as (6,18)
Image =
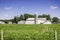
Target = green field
(30,32)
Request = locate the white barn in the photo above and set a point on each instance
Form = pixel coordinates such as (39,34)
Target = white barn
(47,22)
(29,21)
(9,22)
(21,22)
(38,21)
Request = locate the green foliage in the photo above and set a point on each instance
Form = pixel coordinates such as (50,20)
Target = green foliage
(45,16)
(15,20)
(29,32)
(55,19)
(21,17)
(28,16)
(6,21)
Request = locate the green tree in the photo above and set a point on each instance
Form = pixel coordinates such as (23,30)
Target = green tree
(6,21)
(15,20)
(45,16)
(28,16)
(48,17)
(55,20)
(40,16)
(21,17)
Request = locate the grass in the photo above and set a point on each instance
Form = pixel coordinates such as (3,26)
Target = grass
(29,32)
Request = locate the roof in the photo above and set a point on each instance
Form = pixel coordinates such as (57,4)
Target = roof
(47,22)
(42,19)
(32,19)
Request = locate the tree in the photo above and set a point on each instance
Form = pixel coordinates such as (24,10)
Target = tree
(6,21)
(55,20)
(21,17)
(40,16)
(45,16)
(15,20)
(28,16)
(48,17)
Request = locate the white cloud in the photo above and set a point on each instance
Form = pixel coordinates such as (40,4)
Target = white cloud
(8,8)
(6,15)
(53,7)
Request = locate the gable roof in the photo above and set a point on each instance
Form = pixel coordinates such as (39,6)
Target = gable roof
(32,19)
(42,19)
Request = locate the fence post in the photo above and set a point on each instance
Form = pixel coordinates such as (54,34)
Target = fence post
(1,34)
(55,35)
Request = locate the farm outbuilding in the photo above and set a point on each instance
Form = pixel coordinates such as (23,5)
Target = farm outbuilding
(9,22)
(38,21)
(21,22)
(1,22)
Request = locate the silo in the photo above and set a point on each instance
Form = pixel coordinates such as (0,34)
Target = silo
(36,18)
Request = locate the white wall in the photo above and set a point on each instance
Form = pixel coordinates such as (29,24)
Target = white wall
(2,22)
(21,22)
(10,23)
(29,22)
(47,22)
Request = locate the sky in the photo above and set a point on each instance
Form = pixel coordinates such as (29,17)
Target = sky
(11,8)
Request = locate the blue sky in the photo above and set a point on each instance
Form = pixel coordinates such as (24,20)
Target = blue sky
(11,8)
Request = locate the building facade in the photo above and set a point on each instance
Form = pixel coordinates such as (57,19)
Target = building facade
(38,21)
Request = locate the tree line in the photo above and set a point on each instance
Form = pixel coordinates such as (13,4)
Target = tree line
(26,15)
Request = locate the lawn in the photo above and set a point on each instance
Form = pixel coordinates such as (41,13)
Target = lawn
(30,32)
